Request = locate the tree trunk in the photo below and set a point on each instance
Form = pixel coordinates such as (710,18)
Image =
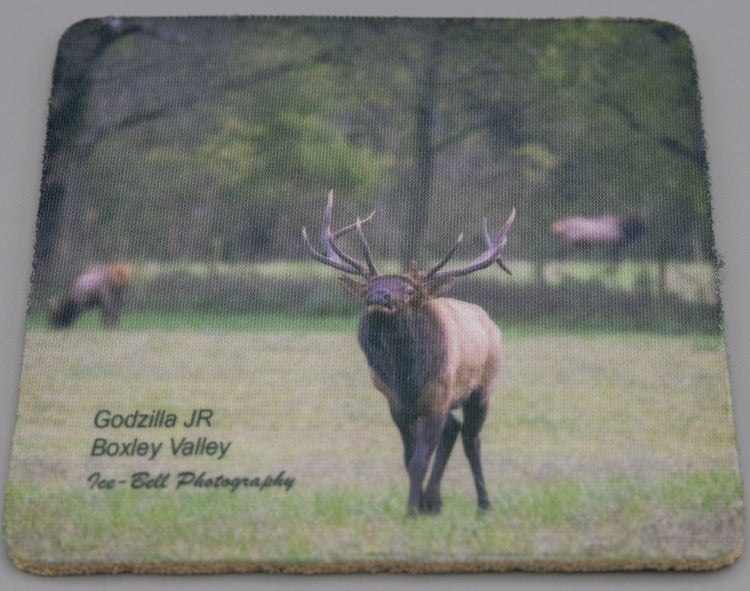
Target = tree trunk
(417,202)
(61,223)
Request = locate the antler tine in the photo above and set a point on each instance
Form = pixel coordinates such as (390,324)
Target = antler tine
(366,249)
(489,256)
(334,256)
(351,227)
(432,270)
(328,259)
(328,238)
(486,234)
(488,240)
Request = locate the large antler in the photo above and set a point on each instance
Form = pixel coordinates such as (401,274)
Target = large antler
(493,254)
(334,256)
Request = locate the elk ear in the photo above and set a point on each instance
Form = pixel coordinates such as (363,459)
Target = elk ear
(355,288)
(437,286)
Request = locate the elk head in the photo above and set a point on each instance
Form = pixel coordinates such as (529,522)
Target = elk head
(391,293)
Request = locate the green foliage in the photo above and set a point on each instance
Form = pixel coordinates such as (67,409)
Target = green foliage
(313,149)
(626,125)
(225,159)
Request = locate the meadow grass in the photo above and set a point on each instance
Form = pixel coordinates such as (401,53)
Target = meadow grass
(210,322)
(682,516)
(596,447)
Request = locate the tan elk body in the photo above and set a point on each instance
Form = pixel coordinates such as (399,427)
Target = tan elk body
(427,354)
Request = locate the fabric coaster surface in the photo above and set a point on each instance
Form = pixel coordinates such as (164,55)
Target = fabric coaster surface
(353,295)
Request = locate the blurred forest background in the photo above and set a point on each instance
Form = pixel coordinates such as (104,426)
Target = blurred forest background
(196,149)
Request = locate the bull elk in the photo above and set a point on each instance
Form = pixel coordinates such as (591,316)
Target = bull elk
(427,354)
(102,287)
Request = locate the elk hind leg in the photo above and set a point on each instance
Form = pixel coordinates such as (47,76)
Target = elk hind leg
(475,412)
(111,304)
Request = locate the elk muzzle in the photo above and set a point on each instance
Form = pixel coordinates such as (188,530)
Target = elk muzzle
(380,300)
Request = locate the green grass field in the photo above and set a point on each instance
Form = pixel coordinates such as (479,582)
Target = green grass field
(597,447)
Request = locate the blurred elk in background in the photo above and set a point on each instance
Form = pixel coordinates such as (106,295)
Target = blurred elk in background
(102,287)
(613,232)
(427,354)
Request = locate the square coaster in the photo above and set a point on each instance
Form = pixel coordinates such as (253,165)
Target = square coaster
(321,295)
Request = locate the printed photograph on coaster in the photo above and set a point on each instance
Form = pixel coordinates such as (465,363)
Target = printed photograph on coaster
(318,295)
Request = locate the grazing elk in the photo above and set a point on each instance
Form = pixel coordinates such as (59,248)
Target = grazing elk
(613,231)
(102,287)
(427,354)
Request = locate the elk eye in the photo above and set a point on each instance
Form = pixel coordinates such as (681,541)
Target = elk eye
(409,290)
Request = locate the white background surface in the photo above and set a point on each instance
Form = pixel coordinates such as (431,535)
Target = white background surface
(29,32)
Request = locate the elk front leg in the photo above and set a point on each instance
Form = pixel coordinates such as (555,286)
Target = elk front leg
(431,500)
(406,424)
(475,412)
(428,432)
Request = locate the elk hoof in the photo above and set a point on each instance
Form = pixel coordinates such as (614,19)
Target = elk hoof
(430,505)
(484,505)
